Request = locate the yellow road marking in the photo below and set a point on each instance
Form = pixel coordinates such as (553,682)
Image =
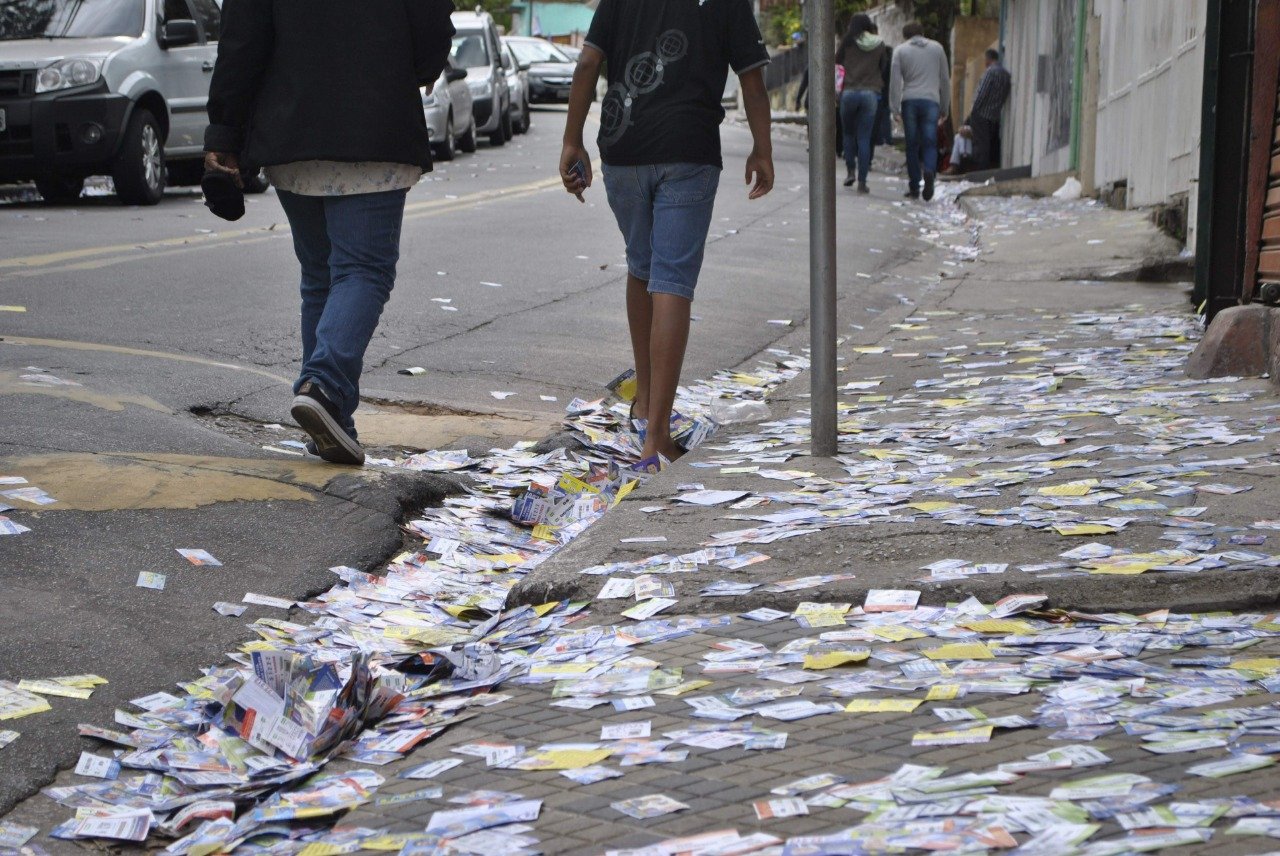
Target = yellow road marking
(13,309)
(88,258)
(67,345)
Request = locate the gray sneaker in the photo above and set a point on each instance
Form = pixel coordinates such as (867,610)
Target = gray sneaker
(313,411)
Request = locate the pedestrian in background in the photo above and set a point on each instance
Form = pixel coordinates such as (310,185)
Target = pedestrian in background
(866,60)
(660,143)
(988,105)
(326,97)
(802,102)
(883,133)
(920,92)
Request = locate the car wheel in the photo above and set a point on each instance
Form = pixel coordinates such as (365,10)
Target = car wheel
(139,170)
(256,183)
(521,125)
(467,142)
(447,149)
(60,188)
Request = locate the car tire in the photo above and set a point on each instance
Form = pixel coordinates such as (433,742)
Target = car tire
(523,126)
(60,188)
(256,183)
(467,142)
(139,169)
(497,138)
(447,150)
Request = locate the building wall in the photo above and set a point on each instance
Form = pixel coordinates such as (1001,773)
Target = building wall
(1150,83)
(1039,51)
(553,19)
(1141,85)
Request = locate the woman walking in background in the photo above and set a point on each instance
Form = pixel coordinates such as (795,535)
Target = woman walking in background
(865,59)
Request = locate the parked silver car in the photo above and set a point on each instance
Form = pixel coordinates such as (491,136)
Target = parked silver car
(477,49)
(451,121)
(518,84)
(549,69)
(116,87)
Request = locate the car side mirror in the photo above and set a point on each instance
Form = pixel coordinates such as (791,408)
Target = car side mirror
(506,63)
(179,32)
(453,75)
(524,66)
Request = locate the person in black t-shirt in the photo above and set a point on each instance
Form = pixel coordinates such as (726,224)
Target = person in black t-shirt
(668,61)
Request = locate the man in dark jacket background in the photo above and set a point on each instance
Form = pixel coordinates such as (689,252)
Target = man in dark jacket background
(325,95)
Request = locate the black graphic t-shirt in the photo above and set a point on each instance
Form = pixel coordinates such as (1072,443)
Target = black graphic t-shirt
(668,61)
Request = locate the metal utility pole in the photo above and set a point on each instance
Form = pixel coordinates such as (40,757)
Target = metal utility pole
(822,225)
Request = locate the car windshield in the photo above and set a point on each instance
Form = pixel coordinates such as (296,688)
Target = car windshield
(70,19)
(536,50)
(470,50)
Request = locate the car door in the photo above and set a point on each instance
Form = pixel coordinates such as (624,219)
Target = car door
(209,16)
(460,96)
(185,83)
(501,95)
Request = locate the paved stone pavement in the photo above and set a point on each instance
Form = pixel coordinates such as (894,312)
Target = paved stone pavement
(720,786)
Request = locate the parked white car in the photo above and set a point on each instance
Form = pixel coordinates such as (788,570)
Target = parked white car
(451,121)
(115,87)
(518,85)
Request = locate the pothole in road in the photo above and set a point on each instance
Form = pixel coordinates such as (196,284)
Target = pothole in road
(390,427)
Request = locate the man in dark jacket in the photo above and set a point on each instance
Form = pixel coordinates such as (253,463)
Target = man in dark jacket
(325,95)
(984,119)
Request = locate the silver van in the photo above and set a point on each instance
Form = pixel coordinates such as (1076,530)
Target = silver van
(115,87)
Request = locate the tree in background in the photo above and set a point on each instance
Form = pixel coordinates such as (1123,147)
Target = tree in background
(783,19)
(937,17)
(499,9)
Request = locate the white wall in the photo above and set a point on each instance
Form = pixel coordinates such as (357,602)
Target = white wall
(1149,93)
(1150,78)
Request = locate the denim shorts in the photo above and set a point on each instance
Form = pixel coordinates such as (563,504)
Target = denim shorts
(664,212)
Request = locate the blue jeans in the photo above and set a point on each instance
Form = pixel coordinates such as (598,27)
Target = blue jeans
(920,125)
(858,116)
(664,212)
(348,247)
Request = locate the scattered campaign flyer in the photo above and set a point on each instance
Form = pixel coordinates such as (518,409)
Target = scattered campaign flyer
(453,823)
(11,527)
(151,580)
(651,805)
(890,600)
(97,766)
(199,557)
(431,769)
(267,600)
(624,730)
(779,808)
(14,836)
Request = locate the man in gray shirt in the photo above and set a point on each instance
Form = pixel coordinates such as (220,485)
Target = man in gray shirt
(920,92)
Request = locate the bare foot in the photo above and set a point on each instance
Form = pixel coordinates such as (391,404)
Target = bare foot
(665,447)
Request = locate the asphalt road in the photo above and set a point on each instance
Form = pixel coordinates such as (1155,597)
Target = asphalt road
(180,331)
